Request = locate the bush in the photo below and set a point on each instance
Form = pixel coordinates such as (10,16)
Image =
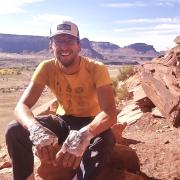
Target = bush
(121,93)
(115,82)
(114,85)
(125,72)
(10,71)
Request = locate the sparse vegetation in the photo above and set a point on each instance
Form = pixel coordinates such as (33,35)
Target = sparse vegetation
(15,72)
(121,92)
(125,72)
(9,71)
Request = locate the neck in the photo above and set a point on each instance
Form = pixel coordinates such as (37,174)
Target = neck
(71,69)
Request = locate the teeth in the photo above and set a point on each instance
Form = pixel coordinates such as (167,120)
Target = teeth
(65,54)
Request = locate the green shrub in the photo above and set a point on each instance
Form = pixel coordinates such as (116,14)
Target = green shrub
(125,72)
(115,85)
(122,93)
(10,71)
(115,82)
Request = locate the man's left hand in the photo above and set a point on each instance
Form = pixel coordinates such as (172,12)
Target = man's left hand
(74,147)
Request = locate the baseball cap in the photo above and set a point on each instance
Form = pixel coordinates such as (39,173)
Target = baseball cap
(64,27)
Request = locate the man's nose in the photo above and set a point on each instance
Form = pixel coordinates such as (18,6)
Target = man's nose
(63,45)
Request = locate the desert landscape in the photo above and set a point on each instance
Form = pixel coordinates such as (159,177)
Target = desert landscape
(153,136)
(15,74)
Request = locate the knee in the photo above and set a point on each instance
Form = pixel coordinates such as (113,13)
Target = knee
(108,139)
(12,131)
(104,142)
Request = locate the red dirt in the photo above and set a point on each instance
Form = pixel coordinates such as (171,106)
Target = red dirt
(157,144)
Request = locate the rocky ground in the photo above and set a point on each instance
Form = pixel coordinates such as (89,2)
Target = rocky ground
(156,143)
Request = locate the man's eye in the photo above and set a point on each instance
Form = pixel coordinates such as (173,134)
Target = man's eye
(68,41)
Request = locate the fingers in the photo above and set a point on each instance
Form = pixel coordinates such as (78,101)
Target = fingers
(59,155)
(77,162)
(46,154)
(63,157)
(71,160)
(51,155)
(67,159)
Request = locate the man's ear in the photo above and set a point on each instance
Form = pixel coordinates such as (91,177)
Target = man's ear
(50,47)
(79,47)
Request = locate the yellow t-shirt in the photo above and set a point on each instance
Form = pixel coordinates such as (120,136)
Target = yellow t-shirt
(76,93)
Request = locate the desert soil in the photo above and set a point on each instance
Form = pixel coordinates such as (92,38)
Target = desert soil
(157,144)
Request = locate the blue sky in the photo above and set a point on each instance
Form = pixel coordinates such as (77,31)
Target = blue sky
(155,22)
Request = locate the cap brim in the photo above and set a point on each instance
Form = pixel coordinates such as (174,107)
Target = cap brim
(59,33)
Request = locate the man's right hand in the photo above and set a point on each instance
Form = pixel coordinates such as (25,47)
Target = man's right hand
(74,147)
(45,141)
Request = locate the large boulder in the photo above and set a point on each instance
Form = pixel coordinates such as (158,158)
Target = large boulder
(123,158)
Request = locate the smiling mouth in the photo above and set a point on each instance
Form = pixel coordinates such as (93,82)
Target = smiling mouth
(65,54)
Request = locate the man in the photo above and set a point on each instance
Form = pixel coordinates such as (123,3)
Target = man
(84,116)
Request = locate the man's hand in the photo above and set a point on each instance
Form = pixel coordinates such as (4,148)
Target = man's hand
(74,147)
(45,141)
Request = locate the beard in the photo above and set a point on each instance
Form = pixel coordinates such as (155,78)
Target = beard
(67,57)
(67,63)
(68,60)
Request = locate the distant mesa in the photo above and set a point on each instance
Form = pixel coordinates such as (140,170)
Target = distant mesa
(104,45)
(85,43)
(141,47)
(87,49)
(20,43)
(103,51)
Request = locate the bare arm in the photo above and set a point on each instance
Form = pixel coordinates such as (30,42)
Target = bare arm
(43,139)
(108,115)
(23,111)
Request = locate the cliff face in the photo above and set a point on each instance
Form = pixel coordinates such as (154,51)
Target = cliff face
(21,43)
(87,50)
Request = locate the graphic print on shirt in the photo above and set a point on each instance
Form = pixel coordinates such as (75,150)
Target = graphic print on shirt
(79,90)
(69,97)
(68,89)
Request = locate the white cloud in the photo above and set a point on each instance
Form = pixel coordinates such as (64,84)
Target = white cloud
(142,4)
(164,4)
(154,20)
(149,27)
(160,35)
(167,2)
(133,29)
(41,24)
(14,6)
(168,26)
(123,5)
(157,29)
(50,17)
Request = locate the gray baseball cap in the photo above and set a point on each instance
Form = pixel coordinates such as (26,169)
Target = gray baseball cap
(64,27)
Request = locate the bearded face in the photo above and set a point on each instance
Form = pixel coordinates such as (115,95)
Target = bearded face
(66,49)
